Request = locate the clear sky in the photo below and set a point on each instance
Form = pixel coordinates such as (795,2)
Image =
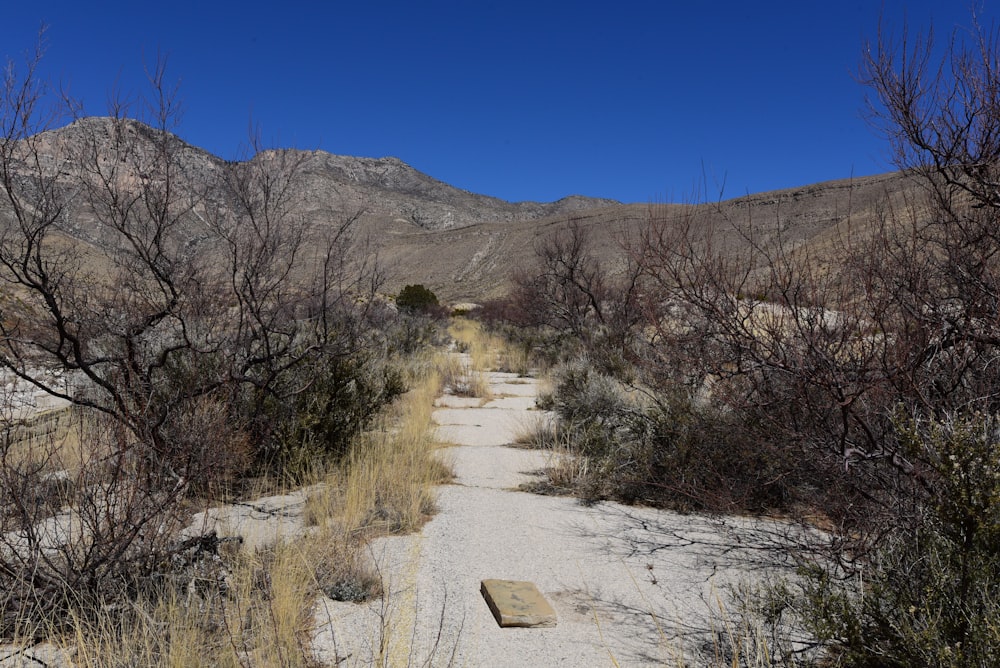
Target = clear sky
(524,100)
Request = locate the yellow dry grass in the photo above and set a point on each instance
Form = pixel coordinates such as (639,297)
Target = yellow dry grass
(261,620)
(386,484)
(264,615)
(467,375)
(489,352)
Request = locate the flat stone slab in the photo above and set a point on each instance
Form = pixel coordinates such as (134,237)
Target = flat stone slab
(518,603)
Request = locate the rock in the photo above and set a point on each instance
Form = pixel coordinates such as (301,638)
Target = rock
(518,603)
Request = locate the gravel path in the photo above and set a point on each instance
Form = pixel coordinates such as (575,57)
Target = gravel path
(630,586)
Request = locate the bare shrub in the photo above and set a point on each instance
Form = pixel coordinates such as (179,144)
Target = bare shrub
(779,371)
(827,361)
(203,328)
(103,536)
(571,301)
(667,449)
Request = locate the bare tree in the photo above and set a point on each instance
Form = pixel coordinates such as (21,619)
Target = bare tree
(173,299)
(942,120)
(573,293)
(882,374)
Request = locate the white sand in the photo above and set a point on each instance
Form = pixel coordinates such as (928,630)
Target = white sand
(630,586)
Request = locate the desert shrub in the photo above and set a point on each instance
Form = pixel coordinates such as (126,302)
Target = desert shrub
(597,408)
(670,450)
(216,448)
(405,332)
(102,530)
(921,585)
(928,592)
(206,329)
(539,346)
(326,405)
(416,298)
(571,303)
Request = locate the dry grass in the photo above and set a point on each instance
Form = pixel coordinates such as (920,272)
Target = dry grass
(470,338)
(465,375)
(510,356)
(483,352)
(254,608)
(254,616)
(386,484)
(567,468)
(489,352)
(460,379)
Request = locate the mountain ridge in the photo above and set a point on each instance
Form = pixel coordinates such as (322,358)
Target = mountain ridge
(387,184)
(465,246)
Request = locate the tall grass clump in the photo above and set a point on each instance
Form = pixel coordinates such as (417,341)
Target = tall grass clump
(470,338)
(389,475)
(466,374)
(251,611)
(568,469)
(491,349)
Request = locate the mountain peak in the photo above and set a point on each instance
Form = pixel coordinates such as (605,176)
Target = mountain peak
(340,185)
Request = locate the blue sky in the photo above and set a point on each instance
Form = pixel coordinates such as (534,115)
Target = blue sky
(635,101)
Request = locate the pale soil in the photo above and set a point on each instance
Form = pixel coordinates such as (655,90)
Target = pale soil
(631,586)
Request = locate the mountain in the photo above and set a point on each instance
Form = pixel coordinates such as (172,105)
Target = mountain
(388,187)
(337,185)
(476,261)
(465,246)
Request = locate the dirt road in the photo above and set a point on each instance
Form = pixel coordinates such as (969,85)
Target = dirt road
(630,586)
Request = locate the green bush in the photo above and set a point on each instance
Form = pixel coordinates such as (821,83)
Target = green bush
(328,402)
(668,450)
(413,331)
(929,594)
(416,298)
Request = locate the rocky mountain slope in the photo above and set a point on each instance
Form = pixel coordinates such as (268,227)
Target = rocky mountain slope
(476,261)
(465,246)
(388,187)
(336,184)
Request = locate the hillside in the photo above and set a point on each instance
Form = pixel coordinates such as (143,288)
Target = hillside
(463,245)
(475,261)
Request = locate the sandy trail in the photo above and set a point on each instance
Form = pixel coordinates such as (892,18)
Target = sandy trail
(630,586)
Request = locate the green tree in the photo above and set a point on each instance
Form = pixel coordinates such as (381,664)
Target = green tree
(416,298)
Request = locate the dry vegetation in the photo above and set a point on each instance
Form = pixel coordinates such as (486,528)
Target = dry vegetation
(240,607)
(850,384)
(250,353)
